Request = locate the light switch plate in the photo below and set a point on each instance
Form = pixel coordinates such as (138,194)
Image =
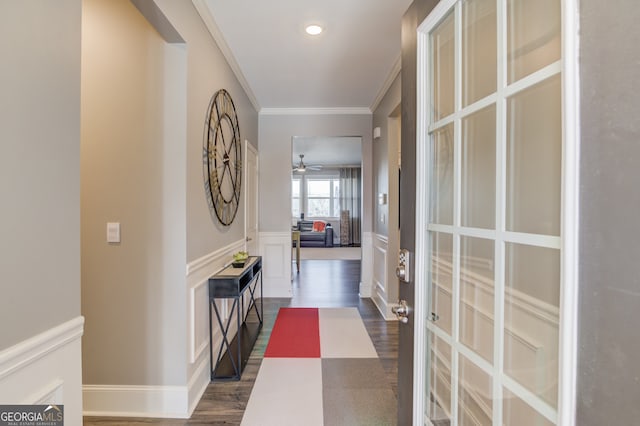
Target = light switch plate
(113,232)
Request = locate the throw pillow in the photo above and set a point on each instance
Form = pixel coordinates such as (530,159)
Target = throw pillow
(318,226)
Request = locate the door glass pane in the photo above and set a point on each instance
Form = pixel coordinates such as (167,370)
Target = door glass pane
(517,412)
(439,402)
(441,203)
(476,295)
(533,36)
(479,58)
(479,169)
(475,395)
(443,47)
(441,278)
(534,154)
(532,295)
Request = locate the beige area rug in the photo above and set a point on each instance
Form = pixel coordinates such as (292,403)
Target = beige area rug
(321,253)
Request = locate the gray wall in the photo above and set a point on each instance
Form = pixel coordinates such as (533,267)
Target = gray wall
(40,166)
(385,151)
(276,132)
(132,173)
(143,108)
(609,346)
(207,72)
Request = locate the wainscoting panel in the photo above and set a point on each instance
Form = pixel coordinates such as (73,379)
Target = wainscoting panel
(366,283)
(380,293)
(46,369)
(198,273)
(275,249)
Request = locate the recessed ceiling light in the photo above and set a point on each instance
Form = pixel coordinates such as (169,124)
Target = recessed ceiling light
(313,29)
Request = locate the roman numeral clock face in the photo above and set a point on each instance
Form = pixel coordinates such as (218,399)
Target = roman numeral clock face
(222,158)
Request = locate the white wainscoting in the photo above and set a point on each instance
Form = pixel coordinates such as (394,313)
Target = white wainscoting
(366,283)
(46,369)
(275,249)
(198,273)
(380,293)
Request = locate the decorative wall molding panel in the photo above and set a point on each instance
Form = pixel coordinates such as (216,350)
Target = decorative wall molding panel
(46,369)
(275,249)
(366,283)
(198,273)
(380,293)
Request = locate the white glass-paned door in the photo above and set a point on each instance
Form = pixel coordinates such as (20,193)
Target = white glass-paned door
(490,97)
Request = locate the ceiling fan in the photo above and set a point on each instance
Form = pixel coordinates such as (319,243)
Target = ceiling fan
(301,167)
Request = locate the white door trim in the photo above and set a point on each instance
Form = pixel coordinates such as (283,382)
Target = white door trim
(250,149)
(420,291)
(571,218)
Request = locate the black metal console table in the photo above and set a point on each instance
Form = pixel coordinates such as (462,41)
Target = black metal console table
(232,283)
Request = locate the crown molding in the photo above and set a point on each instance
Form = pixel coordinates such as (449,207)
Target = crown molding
(216,34)
(316,111)
(395,70)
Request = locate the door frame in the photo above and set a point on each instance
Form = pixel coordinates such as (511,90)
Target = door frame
(568,329)
(250,150)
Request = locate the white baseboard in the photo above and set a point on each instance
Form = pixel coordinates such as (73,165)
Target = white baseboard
(46,369)
(136,401)
(384,307)
(200,379)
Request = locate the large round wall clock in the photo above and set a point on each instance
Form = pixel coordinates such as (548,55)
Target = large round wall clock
(222,158)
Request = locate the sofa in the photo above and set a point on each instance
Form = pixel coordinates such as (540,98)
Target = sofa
(315,238)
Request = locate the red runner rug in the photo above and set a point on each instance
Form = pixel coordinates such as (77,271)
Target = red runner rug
(296,334)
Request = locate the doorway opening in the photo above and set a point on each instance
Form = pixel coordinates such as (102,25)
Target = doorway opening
(326,202)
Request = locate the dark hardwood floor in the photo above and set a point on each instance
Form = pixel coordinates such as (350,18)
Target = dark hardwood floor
(320,283)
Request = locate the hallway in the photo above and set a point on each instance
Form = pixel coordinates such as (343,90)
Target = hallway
(320,283)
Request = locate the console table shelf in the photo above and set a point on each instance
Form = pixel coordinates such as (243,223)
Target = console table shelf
(232,283)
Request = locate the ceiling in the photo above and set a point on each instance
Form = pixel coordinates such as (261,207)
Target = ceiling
(349,66)
(327,151)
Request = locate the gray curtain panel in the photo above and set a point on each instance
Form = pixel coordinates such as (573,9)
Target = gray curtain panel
(351,201)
